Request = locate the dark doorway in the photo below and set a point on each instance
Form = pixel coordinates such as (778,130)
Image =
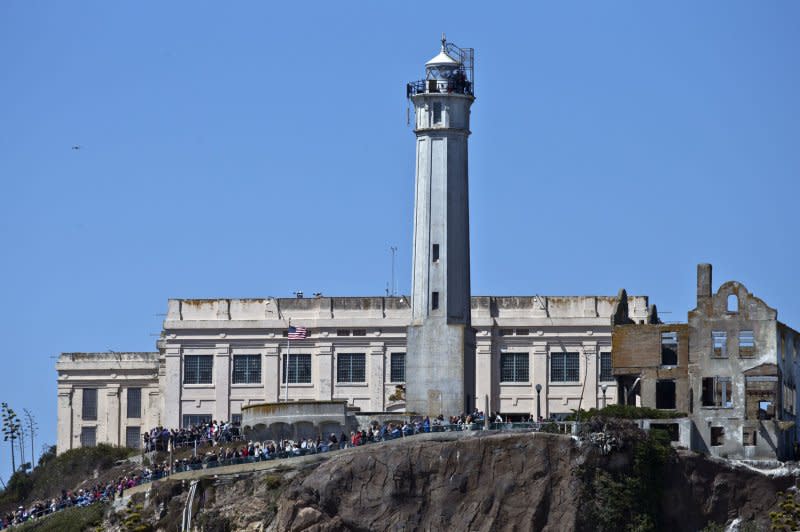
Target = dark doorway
(665,394)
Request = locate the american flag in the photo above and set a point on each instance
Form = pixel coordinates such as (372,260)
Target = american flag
(297,333)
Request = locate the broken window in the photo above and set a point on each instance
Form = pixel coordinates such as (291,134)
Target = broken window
(749,435)
(760,394)
(717,436)
(747,346)
(718,392)
(665,394)
(669,349)
(720,342)
(733,303)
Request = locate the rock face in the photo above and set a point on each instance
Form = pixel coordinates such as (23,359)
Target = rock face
(478,481)
(499,482)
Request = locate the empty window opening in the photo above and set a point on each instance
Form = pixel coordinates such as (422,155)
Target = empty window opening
(669,349)
(506,332)
(747,345)
(766,410)
(521,332)
(359,332)
(717,436)
(435,253)
(342,332)
(749,436)
(718,392)
(665,394)
(783,347)
(720,341)
(434,300)
(733,303)
(437,112)
(672,429)
(760,394)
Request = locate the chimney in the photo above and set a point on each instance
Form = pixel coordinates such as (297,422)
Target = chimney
(703,280)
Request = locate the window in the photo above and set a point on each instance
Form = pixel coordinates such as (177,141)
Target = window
(733,303)
(669,349)
(299,369)
(342,332)
(718,392)
(398,367)
(351,367)
(506,332)
(88,436)
(564,367)
(522,332)
(719,340)
(747,345)
(717,436)
(760,393)
(435,253)
(195,420)
(665,394)
(132,437)
(134,402)
(514,367)
(434,300)
(89,404)
(236,419)
(246,369)
(437,112)
(783,347)
(606,371)
(749,436)
(359,332)
(197,369)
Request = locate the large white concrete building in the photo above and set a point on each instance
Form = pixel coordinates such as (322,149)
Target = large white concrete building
(215,356)
(520,356)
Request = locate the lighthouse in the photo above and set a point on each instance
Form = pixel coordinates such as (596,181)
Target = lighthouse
(440,359)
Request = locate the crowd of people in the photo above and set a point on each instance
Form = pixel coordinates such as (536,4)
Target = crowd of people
(101,492)
(215,434)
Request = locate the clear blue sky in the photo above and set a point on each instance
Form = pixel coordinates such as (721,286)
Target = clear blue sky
(262,148)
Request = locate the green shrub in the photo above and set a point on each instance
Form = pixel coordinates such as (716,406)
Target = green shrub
(69,520)
(624,412)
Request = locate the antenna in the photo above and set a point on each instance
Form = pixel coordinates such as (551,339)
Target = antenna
(394,251)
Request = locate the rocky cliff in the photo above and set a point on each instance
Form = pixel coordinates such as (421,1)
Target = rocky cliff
(477,481)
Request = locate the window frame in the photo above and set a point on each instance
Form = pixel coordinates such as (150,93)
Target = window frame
(83,436)
(198,373)
(721,338)
(294,359)
(128,432)
(137,412)
(392,367)
(89,409)
(610,368)
(348,365)
(516,366)
(564,357)
(247,374)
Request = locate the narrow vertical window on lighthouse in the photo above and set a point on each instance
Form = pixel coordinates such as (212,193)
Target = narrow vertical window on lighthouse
(435,253)
(437,112)
(434,300)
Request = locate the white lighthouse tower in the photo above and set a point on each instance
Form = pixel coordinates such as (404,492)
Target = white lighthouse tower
(440,360)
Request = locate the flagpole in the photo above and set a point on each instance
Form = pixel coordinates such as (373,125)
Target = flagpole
(286,363)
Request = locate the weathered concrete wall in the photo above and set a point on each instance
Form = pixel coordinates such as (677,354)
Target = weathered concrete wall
(112,375)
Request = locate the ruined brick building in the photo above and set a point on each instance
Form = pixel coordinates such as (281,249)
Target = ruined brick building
(733,367)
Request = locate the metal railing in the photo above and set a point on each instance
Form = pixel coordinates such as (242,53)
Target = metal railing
(439,86)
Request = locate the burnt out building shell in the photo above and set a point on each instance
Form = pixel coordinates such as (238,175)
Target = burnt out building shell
(734,368)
